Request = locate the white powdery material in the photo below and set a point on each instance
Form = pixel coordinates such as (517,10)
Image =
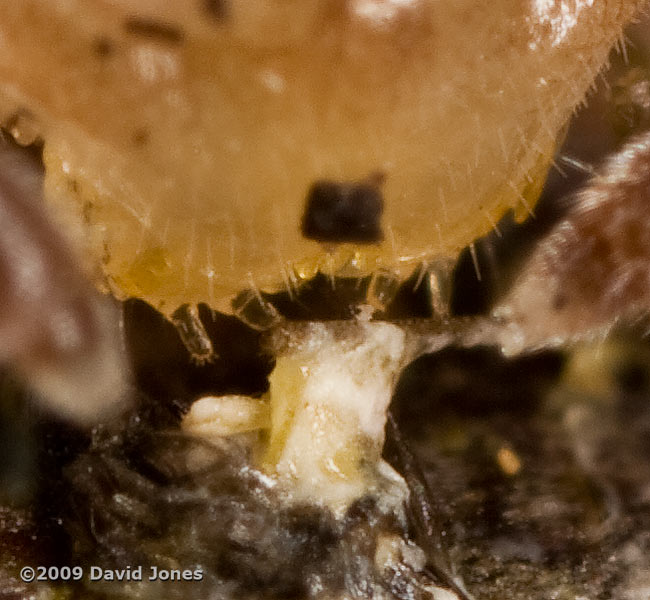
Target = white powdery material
(357,377)
(332,429)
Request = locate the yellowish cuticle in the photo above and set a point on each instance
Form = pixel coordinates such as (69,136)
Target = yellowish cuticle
(286,384)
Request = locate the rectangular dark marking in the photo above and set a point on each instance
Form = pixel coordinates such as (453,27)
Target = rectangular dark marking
(103,47)
(216,9)
(338,212)
(151,28)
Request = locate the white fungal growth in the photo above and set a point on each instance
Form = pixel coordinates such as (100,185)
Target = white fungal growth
(329,395)
(215,416)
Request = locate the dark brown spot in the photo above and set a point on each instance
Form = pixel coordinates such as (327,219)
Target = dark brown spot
(217,10)
(106,254)
(140,136)
(86,210)
(103,47)
(559,302)
(73,186)
(343,212)
(158,30)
